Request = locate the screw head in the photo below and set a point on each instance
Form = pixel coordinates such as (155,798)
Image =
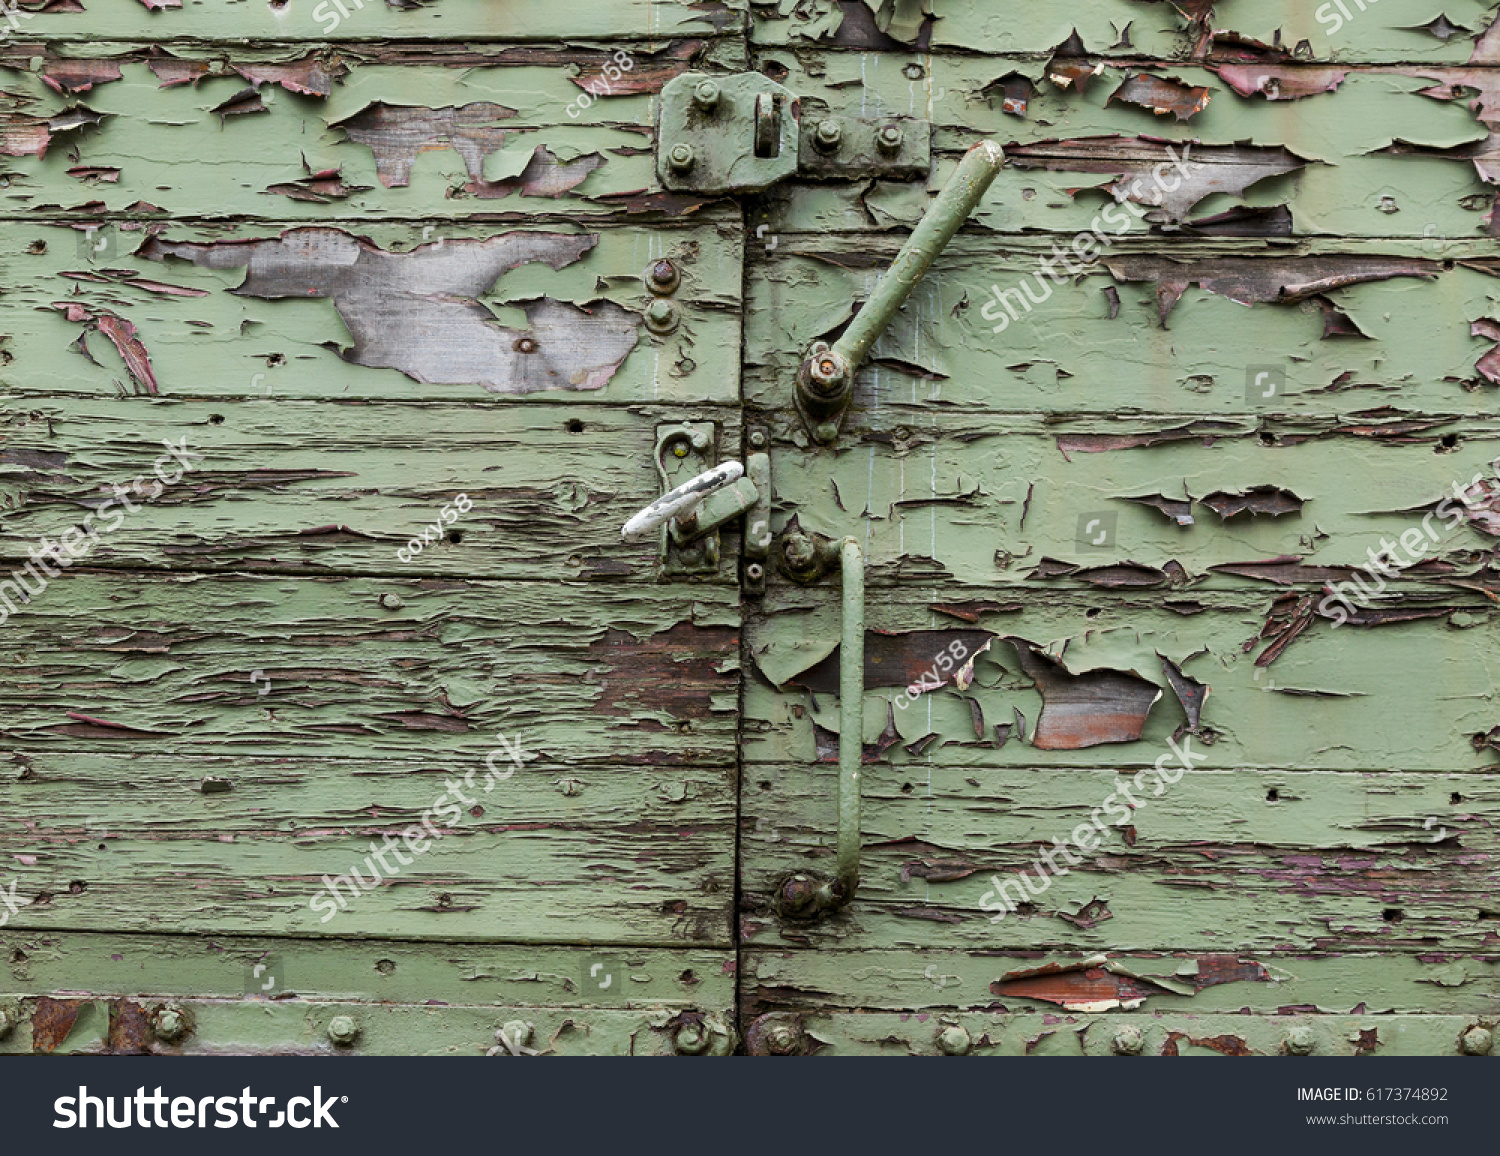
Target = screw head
(662,277)
(169,1024)
(1477,1041)
(889,139)
(1128,1041)
(681,158)
(828,134)
(757,440)
(525,345)
(706,95)
(782,1040)
(1300,1041)
(391,601)
(691,1040)
(343,1031)
(953,1041)
(755,572)
(661,316)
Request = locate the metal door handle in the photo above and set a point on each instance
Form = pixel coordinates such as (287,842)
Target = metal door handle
(825,383)
(803,895)
(678,505)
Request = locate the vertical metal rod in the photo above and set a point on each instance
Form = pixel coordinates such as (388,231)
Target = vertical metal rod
(942,220)
(851,716)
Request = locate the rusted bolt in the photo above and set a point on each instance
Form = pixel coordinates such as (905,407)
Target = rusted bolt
(1300,1041)
(1128,1041)
(1477,1041)
(662,277)
(828,134)
(7,1025)
(391,601)
(757,440)
(706,96)
(701,440)
(169,1024)
(681,158)
(343,1031)
(691,1040)
(826,432)
(953,1041)
(889,139)
(801,553)
(661,316)
(524,345)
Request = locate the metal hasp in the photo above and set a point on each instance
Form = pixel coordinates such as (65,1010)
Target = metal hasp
(804,895)
(727,134)
(688,516)
(825,383)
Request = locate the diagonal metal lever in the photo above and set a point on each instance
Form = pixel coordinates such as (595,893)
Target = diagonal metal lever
(825,383)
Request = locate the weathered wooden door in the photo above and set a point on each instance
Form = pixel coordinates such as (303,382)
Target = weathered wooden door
(390,283)
(342,338)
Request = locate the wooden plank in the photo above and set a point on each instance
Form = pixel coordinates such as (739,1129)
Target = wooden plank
(791,979)
(1221,861)
(310,21)
(1355,690)
(281,484)
(454,133)
(82,964)
(301,1028)
(425,669)
(546,314)
(891,1034)
(550,853)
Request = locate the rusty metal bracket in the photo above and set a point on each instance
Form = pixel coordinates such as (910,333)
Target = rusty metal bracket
(744,132)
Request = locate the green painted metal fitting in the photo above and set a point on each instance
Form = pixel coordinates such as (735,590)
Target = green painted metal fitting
(828,134)
(953,1041)
(706,96)
(681,158)
(662,316)
(343,1031)
(825,380)
(757,440)
(776,1035)
(1128,1041)
(7,1025)
(1477,1041)
(851,716)
(890,139)
(169,1024)
(691,1039)
(1300,1041)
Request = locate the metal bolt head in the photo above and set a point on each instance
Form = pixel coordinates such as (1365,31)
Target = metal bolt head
(889,139)
(755,572)
(662,277)
(391,601)
(343,1031)
(757,440)
(1128,1041)
(953,1041)
(782,1040)
(518,1032)
(169,1024)
(691,1040)
(706,96)
(828,134)
(525,345)
(1300,1041)
(826,432)
(661,316)
(1477,1041)
(681,158)
(800,553)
